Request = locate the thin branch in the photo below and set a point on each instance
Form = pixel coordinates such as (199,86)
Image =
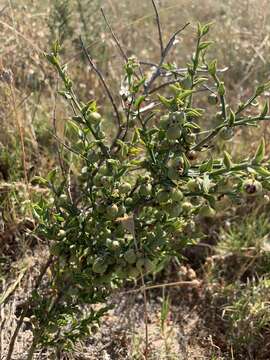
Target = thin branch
(168,47)
(208,138)
(26,307)
(164,85)
(181,70)
(114,36)
(172,39)
(3,9)
(171,82)
(55,132)
(101,77)
(159,28)
(158,286)
(67,147)
(124,55)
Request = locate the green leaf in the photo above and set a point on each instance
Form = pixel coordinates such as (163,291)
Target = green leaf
(203,29)
(206,183)
(166,102)
(205,44)
(262,88)
(231,118)
(260,153)
(262,171)
(265,109)
(185,94)
(212,68)
(227,160)
(65,94)
(52,175)
(200,81)
(90,106)
(207,166)
(194,112)
(186,164)
(139,101)
(38,180)
(136,137)
(192,125)
(221,89)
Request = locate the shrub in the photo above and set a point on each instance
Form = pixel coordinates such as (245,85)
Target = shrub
(139,193)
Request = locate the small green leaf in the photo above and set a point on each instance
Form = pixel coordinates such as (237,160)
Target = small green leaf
(260,153)
(212,68)
(203,29)
(136,137)
(139,101)
(231,118)
(205,44)
(262,171)
(227,161)
(221,89)
(207,166)
(265,109)
(166,102)
(206,183)
(262,88)
(186,164)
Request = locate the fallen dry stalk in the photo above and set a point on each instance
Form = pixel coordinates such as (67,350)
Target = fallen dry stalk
(195,283)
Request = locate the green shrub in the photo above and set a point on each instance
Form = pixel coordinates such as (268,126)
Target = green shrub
(140,192)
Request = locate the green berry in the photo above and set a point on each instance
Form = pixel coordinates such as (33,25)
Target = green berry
(207,211)
(115,245)
(187,206)
(112,211)
(194,185)
(190,138)
(173,209)
(130,256)
(94,117)
(177,119)
(125,188)
(145,265)
(174,133)
(105,180)
(186,83)
(212,99)
(129,201)
(133,272)
(163,122)
(145,190)
(226,133)
(122,210)
(162,196)
(180,117)
(99,266)
(177,195)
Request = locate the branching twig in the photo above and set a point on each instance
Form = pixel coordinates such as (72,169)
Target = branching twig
(159,28)
(101,77)
(114,36)
(68,147)
(168,47)
(55,132)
